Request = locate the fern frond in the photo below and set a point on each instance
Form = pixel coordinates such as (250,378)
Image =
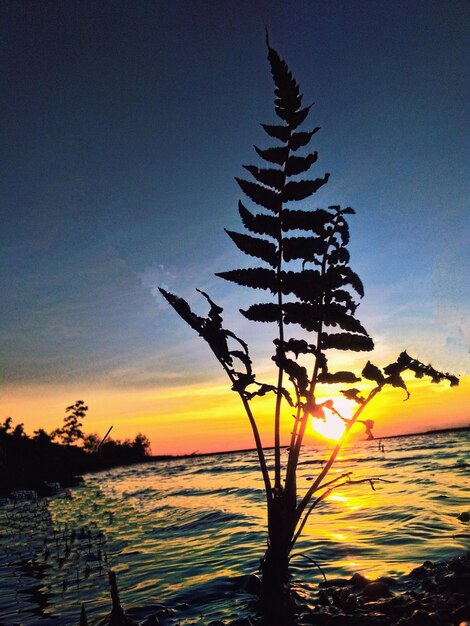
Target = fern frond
(268,198)
(297,165)
(337,377)
(277,132)
(254,246)
(301,139)
(264,312)
(315,221)
(305,248)
(258,223)
(270,177)
(299,190)
(346,341)
(257,278)
(273,155)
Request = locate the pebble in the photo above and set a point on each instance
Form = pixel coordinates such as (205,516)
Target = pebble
(359,581)
(377,590)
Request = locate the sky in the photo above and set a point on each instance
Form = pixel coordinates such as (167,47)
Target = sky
(123,127)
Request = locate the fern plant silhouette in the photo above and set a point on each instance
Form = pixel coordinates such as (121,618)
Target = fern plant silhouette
(310,285)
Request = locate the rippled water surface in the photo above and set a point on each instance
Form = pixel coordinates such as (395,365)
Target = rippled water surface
(179,532)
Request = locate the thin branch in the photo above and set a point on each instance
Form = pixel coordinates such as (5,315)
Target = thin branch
(305,556)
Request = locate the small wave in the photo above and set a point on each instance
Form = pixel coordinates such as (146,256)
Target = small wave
(206,522)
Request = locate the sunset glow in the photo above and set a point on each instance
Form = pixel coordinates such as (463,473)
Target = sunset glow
(332,427)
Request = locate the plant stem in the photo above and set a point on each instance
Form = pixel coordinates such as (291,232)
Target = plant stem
(256,435)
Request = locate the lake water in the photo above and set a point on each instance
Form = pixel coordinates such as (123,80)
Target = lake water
(180,532)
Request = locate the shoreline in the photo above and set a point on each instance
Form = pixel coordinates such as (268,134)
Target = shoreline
(432,594)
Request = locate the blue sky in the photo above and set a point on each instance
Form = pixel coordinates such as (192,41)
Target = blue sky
(123,126)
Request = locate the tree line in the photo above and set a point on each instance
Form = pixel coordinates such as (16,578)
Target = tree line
(59,456)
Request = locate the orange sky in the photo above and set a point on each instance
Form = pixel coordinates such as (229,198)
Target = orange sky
(186,419)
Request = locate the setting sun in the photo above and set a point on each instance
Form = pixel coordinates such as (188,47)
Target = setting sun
(332,427)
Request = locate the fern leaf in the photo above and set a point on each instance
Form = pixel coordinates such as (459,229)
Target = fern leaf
(337,315)
(372,372)
(254,246)
(265,312)
(338,255)
(339,276)
(315,221)
(297,165)
(269,177)
(306,285)
(344,297)
(244,358)
(278,132)
(300,139)
(299,190)
(343,229)
(297,346)
(259,223)
(294,119)
(184,310)
(296,372)
(263,196)
(338,377)
(353,394)
(305,315)
(257,278)
(287,90)
(273,155)
(397,381)
(305,248)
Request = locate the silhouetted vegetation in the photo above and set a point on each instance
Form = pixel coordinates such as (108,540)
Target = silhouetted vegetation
(310,285)
(36,462)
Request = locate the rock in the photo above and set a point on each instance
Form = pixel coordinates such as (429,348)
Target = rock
(395,607)
(388,580)
(464,516)
(359,581)
(419,572)
(375,591)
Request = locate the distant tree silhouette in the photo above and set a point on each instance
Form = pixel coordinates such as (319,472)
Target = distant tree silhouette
(141,444)
(71,431)
(306,272)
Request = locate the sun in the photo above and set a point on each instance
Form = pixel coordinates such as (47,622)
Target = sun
(332,427)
